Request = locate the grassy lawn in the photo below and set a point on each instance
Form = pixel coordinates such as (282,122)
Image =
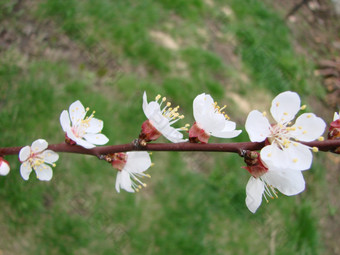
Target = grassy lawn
(106,54)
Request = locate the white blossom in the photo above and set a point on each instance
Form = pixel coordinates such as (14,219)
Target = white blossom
(128,178)
(284,150)
(162,119)
(84,131)
(37,157)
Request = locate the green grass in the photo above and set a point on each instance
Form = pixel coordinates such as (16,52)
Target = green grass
(194,203)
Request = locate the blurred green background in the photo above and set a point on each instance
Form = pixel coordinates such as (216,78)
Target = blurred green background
(106,54)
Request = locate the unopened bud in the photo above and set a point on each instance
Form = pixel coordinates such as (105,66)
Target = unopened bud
(4,167)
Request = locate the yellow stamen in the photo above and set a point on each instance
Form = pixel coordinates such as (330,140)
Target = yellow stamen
(315,149)
(303,107)
(321,138)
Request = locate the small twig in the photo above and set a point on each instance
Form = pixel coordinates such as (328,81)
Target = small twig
(326,145)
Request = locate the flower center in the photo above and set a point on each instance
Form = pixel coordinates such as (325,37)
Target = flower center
(82,124)
(218,109)
(280,135)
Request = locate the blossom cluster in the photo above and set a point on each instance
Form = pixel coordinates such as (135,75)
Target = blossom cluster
(277,167)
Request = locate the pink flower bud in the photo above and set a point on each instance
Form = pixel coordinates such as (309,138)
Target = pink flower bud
(118,160)
(4,167)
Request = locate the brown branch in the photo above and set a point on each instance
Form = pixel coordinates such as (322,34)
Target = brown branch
(134,146)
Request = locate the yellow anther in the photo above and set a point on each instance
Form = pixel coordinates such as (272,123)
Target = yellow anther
(157,97)
(77,108)
(309,115)
(87,109)
(315,149)
(144,185)
(187,125)
(303,107)
(93,112)
(164,99)
(137,190)
(264,114)
(168,104)
(148,175)
(152,164)
(150,153)
(285,113)
(321,138)
(295,144)
(299,127)
(304,132)
(277,104)
(139,186)
(269,155)
(181,117)
(295,160)
(54,165)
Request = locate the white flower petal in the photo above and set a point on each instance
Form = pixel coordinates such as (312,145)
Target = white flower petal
(95,126)
(212,122)
(274,157)
(299,157)
(254,190)
(39,146)
(288,182)
(257,126)
(308,127)
(50,156)
(145,104)
(77,112)
(285,106)
(79,141)
(98,139)
(336,116)
(125,181)
(137,161)
(65,120)
(44,172)
(25,170)
(173,135)
(118,181)
(24,153)
(4,167)
(202,104)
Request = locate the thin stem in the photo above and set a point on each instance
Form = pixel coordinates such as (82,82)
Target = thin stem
(135,146)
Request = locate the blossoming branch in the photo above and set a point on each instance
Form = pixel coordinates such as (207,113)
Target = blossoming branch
(285,149)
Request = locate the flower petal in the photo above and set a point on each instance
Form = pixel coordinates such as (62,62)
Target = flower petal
(4,167)
(65,120)
(299,157)
(39,146)
(98,139)
(77,112)
(308,127)
(288,182)
(274,157)
(145,104)
(285,106)
(173,135)
(125,181)
(228,131)
(254,190)
(336,116)
(137,161)
(79,141)
(24,153)
(118,181)
(257,126)
(25,170)
(95,126)
(44,172)
(201,105)
(295,157)
(50,156)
